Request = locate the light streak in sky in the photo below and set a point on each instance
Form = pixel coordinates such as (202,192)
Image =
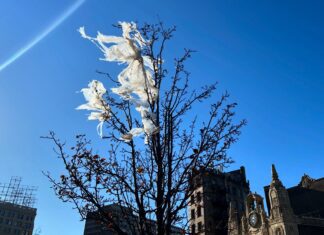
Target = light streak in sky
(43,34)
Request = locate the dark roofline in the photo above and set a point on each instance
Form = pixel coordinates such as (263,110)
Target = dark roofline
(19,206)
(319,179)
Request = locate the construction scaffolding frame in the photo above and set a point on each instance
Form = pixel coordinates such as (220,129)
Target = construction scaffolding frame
(18,194)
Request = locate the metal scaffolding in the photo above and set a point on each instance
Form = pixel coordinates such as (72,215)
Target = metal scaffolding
(18,194)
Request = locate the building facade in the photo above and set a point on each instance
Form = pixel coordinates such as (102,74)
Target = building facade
(125,219)
(294,211)
(94,227)
(16,219)
(17,214)
(214,192)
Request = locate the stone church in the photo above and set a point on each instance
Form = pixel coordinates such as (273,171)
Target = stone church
(222,204)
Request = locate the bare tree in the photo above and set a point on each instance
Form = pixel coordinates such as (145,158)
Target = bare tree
(152,179)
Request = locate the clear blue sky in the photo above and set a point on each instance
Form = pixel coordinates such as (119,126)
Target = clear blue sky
(268,55)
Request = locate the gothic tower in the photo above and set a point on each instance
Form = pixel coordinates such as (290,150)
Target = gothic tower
(256,219)
(282,220)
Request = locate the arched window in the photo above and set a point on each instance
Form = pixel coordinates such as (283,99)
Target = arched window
(278,232)
(274,198)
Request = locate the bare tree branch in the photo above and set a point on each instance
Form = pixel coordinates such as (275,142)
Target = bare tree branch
(151,180)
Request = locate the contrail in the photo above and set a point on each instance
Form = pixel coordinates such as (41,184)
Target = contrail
(43,34)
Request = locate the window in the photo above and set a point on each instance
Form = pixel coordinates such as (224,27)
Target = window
(193,229)
(192,199)
(198,196)
(210,226)
(242,207)
(235,191)
(199,211)
(278,231)
(193,214)
(274,198)
(198,181)
(200,227)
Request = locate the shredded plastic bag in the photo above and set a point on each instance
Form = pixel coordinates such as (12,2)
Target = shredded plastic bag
(94,95)
(136,83)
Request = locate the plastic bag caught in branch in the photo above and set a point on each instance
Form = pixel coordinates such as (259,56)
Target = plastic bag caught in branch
(132,133)
(136,83)
(100,109)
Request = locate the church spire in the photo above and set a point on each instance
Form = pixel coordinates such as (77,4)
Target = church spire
(274,173)
(275,177)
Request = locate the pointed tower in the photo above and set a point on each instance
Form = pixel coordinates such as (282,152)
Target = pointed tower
(275,178)
(282,220)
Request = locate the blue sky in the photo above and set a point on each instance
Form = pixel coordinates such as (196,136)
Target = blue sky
(268,55)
